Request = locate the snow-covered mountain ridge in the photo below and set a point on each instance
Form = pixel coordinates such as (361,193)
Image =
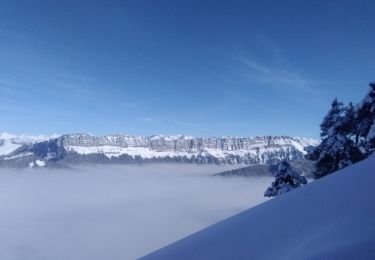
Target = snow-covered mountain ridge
(179,148)
(10,142)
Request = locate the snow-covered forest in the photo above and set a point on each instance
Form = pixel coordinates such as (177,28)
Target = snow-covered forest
(348,135)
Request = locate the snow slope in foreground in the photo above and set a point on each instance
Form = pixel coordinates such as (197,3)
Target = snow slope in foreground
(333,218)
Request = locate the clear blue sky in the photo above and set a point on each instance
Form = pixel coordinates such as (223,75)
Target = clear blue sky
(205,68)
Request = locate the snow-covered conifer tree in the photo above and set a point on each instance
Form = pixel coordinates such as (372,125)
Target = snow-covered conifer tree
(336,152)
(286,179)
(334,116)
(337,149)
(370,139)
(349,124)
(365,116)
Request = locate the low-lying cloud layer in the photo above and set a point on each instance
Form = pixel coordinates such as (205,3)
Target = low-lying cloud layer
(114,212)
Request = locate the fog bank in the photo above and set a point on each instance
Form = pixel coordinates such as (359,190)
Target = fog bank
(114,212)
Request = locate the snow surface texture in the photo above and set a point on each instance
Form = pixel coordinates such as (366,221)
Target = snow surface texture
(114,212)
(332,218)
(9,142)
(7,146)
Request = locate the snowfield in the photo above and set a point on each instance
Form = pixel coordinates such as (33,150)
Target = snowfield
(114,212)
(332,218)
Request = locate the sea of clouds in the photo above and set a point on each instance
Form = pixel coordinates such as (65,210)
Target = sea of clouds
(114,212)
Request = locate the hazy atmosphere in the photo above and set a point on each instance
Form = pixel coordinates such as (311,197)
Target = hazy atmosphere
(114,212)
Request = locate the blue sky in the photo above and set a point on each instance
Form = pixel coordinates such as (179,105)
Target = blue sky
(204,68)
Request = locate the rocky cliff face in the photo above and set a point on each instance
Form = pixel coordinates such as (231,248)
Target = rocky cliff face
(83,148)
(182,143)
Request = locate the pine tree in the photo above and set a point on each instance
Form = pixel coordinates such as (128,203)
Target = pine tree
(337,149)
(336,152)
(286,179)
(325,153)
(370,139)
(349,124)
(333,117)
(365,116)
